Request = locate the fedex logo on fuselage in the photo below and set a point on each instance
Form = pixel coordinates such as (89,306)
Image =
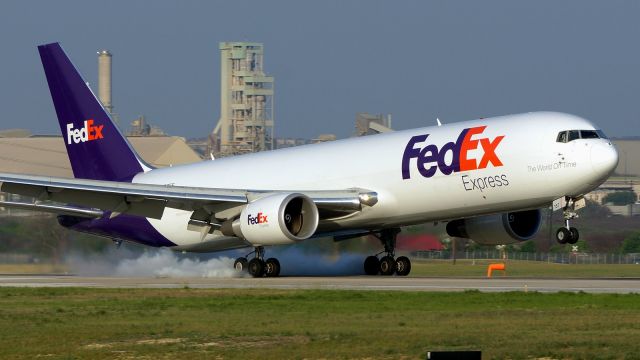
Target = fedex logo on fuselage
(89,132)
(258,219)
(429,158)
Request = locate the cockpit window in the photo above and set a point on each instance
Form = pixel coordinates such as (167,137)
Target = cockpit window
(588,134)
(601,134)
(573,135)
(570,135)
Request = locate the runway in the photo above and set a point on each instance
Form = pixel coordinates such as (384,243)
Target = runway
(616,285)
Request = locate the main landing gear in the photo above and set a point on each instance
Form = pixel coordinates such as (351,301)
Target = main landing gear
(568,234)
(388,264)
(258,267)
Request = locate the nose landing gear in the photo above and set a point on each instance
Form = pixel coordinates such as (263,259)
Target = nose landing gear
(388,264)
(568,234)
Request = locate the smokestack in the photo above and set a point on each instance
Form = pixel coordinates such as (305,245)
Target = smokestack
(104,79)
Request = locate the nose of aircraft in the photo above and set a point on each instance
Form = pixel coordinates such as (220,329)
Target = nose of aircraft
(604,158)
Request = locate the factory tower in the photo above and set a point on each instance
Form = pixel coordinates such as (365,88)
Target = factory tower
(104,79)
(246,100)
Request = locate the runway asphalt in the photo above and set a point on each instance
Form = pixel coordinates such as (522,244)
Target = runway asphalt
(497,284)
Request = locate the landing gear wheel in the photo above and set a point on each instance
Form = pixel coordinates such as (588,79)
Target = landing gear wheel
(241,264)
(563,235)
(272,267)
(387,265)
(371,265)
(403,266)
(256,267)
(575,235)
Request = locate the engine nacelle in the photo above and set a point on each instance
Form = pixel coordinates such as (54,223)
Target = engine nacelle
(277,219)
(498,229)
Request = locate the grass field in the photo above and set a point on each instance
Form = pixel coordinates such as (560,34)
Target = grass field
(274,324)
(32,269)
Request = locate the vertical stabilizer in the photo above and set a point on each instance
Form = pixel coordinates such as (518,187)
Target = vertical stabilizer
(96,148)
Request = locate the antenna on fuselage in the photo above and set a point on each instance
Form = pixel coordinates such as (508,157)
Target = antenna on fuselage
(439,123)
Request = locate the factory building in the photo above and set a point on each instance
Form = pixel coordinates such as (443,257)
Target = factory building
(628,151)
(369,124)
(140,127)
(246,101)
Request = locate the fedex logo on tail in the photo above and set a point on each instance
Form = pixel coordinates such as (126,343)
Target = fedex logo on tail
(430,158)
(89,132)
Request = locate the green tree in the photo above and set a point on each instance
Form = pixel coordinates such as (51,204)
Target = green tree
(631,243)
(528,246)
(621,198)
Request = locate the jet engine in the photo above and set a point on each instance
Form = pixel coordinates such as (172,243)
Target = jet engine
(497,229)
(276,219)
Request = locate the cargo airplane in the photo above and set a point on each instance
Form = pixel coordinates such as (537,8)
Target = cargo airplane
(487,178)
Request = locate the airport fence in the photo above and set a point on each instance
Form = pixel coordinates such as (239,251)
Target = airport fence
(560,258)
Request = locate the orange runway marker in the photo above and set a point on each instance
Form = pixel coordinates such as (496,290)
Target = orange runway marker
(492,267)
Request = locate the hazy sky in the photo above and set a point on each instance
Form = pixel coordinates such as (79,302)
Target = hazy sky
(417,60)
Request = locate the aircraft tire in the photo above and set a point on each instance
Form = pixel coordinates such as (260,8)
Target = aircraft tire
(371,265)
(272,267)
(256,267)
(241,264)
(563,235)
(575,235)
(403,266)
(387,266)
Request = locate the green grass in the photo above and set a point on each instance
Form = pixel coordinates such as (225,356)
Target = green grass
(75,323)
(520,268)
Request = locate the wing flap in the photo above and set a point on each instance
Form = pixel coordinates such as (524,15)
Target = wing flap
(53,208)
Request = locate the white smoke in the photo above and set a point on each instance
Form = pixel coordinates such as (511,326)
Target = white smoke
(164,263)
(153,262)
(131,262)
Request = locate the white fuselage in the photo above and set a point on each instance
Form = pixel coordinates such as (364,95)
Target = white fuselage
(526,168)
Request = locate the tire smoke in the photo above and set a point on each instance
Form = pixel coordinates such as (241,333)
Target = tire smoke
(132,262)
(154,262)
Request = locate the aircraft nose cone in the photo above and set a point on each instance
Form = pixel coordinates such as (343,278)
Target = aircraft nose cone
(604,158)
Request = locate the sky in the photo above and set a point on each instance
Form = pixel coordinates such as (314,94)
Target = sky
(417,60)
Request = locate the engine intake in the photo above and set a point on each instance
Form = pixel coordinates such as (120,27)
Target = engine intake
(498,229)
(276,219)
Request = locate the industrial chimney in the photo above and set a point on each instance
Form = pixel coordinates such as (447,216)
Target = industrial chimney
(104,79)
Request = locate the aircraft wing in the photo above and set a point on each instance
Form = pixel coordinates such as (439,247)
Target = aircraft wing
(88,197)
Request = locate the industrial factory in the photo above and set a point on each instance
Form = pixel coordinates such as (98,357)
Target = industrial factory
(246,101)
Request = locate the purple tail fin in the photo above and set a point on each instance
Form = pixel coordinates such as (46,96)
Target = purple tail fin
(96,148)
